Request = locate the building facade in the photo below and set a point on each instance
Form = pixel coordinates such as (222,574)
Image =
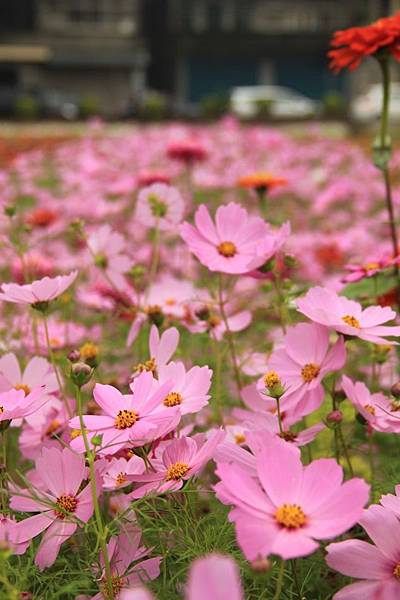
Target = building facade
(200,47)
(86,48)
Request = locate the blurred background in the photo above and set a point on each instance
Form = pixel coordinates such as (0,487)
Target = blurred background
(191,59)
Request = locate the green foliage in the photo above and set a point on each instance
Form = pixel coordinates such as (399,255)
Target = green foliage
(214,106)
(334,104)
(26,108)
(154,107)
(89,106)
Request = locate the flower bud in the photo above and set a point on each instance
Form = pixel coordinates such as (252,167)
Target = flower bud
(10,211)
(273,384)
(81,373)
(261,565)
(336,416)
(395,390)
(74,356)
(155,315)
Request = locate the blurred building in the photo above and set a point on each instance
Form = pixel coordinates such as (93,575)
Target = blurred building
(84,50)
(109,51)
(199,47)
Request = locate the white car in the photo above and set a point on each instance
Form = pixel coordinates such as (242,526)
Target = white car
(280,102)
(367,107)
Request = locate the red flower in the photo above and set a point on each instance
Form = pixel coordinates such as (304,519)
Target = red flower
(350,46)
(187,151)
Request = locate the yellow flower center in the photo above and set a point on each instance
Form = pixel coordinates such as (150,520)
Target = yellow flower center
(352,321)
(371,266)
(310,371)
(173,399)
(395,405)
(288,436)
(290,516)
(396,571)
(126,419)
(271,378)
(240,438)
(213,321)
(370,409)
(117,584)
(52,428)
(1,409)
(76,433)
(227,249)
(170,301)
(149,365)
(176,471)
(55,342)
(121,478)
(67,504)
(88,351)
(22,386)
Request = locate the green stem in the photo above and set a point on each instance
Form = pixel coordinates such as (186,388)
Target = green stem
(345,450)
(278,407)
(280,300)
(296,579)
(53,362)
(155,257)
(229,335)
(371,463)
(99,522)
(385,147)
(279,581)
(217,380)
(4,473)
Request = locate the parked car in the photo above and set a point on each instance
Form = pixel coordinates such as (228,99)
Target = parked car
(272,101)
(367,107)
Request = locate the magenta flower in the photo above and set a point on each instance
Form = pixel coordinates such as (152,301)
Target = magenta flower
(286,509)
(182,459)
(57,500)
(8,536)
(127,566)
(380,412)
(392,501)
(324,306)
(131,419)
(41,290)
(160,205)
(214,577)
(235,244)
(301,365)
(377,565)
(189,392)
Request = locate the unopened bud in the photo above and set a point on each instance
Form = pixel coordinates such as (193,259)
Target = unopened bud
(395,390)
(155,315)
(81,373)
(74,356)
(25,596)
(261,565)
(336,416)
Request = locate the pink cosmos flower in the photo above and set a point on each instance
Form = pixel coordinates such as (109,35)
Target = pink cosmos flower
(190,389)
(127,566)
(187,151)
(215,577)
(107,247)
(160,205)
(117,470)
(301,365)
(235,244)
(41,290)
(131,419)
(381,412)
(14,404)
(392,501)
(161,349)
(8,537)
(324,306)
(286,509)
(377,565)
(181,460)
(369,268)
(57,500)
(38,373)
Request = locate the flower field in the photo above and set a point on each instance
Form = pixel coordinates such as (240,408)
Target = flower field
(199,374)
